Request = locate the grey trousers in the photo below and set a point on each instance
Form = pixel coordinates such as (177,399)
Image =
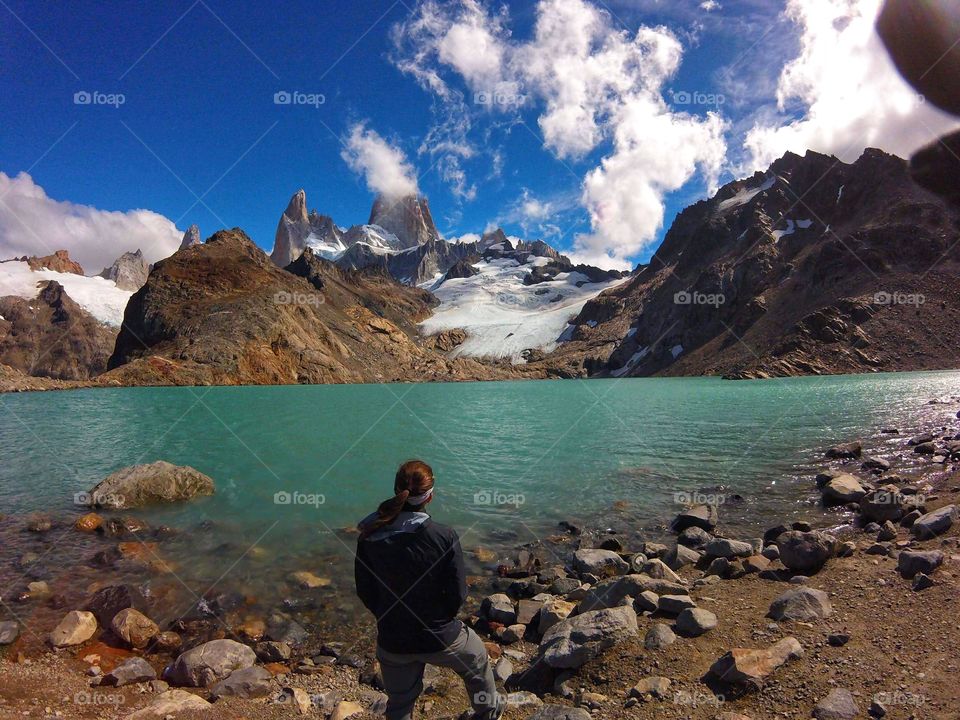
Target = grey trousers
(466,656)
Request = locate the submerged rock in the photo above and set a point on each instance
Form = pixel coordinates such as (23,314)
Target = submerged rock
(157,482)
(701,516)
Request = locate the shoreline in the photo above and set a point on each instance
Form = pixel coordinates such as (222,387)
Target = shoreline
(337,671)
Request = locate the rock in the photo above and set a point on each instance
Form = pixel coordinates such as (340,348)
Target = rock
(108,601)
(527,610)
(701,516)
(846,549)
(911,562)
(132,670)
(882,504)
(9,631)
(655,686)
(802,603)
(927,448)
(502,670)
(190,237)
(157,482)
(877,709)
(306,580)
(574,641)
(167,642)
(552,613)
(498,608)
(76,627)
(128,272)
(878,549)
(842,489)
(681,556)
(210,662)
(646,601)
(560,712)
(910,518)
(922,581)
(694,622)
(748,665)
(887,532)
(657,569)
(838,639)
(653,550)
(170,704)
(845,451)
(757,563)
(921,439)
(512,634)
(134,628)
(805,552)
(564,586)
(725,548)
(523,699)
(934,524)
(251,682)
(298,698)
(658,637)
(694,537)
(770,536)
(771,552)
(88,522)
(873,463)
(837,705)
(675,604)
(602,563)
(271,651)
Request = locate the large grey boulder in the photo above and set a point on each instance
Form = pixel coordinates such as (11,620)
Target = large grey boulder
(934,524)
(574,641)
(9,631)
(911,562)
(251,682)
(612,593)
(157,482)
(499,608)
(694,622)
(725,548)
(132,670)
(602,563)
(802,603)
(658,637)
(680,556)
(806,552)
(884,503)
(842,489)
(209,663)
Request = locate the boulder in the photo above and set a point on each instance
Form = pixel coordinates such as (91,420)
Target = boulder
(108,601)
(837,705)
(845,451)
(157,482)
(802,603)
(251,682)
(805,552)
(271,651)
(134,628)
(9,631)
(675,604)
(701,516)
(757,563)
(76,627)
(911,562)
(694,622)
(646,601)
(602,563)
(172,703)
(680,556)
(659,570)
(553,612)
(934,524)
(694,537)
(655,686)
(842,490)
(210,662)
(658,637)
(770,536)
(884,503)
(132,670)
(574,641)
(613,592)
(498,608)
(887,532)
(749,665)
(502,670)
(725,548)
(88,522)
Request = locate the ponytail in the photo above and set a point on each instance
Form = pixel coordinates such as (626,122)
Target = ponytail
(415,478)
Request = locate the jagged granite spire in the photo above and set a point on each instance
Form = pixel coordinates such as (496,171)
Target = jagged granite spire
(407,217)
(190,237)
(297,227)
(129,271)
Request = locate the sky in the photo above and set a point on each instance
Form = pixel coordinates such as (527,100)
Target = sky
(588,123)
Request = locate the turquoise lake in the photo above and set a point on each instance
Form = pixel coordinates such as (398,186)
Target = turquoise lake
(296,465)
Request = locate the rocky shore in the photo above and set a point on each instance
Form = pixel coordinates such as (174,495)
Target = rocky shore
(854,620)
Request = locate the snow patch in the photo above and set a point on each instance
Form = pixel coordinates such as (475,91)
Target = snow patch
(839,193)
(631,363)
(804,224)
(777,234)
(745,195)
(676,350)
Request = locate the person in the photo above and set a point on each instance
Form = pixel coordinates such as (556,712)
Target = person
(410,574)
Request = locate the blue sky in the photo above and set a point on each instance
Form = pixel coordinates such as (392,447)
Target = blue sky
(199,138)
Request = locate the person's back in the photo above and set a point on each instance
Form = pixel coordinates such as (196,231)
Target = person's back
(410,575)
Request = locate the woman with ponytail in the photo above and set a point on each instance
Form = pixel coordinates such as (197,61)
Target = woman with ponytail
(410,575)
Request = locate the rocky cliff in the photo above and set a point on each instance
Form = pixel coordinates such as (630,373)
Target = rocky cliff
(129,271)
(59,261)
(815,266)
(190,237)
(406,217)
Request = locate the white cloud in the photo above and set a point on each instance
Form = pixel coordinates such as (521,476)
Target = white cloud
(32,223)
(383,166)
(593,84)
(710,5)
(846,89)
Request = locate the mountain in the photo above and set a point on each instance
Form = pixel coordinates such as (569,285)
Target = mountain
(52,336)
(815,266)
(407,217)
(129,271)
(190,237)
(58,262)
(224,313)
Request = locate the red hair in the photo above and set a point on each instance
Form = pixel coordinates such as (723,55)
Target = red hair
(413,478)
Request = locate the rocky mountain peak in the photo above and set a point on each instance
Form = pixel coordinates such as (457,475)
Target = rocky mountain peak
(190,237)
(407,217)
(129,271)
(297,207)
(58,262)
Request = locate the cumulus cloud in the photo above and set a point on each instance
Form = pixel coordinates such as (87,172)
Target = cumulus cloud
(845,89)
(592,86)
(384,167)
(32,223)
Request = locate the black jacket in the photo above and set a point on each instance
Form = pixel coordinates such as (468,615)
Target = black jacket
(410,574)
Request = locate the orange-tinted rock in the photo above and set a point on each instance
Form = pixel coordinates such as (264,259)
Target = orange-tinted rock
(58,262)
(88,522)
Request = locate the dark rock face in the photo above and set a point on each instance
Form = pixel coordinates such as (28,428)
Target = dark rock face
(854,277)
(460,269)
(52,336)
(296,225)
(129,271)
(408,218)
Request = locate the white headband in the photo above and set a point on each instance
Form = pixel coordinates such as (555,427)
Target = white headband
(417,500)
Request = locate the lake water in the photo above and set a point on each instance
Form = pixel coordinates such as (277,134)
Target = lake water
(296,465)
